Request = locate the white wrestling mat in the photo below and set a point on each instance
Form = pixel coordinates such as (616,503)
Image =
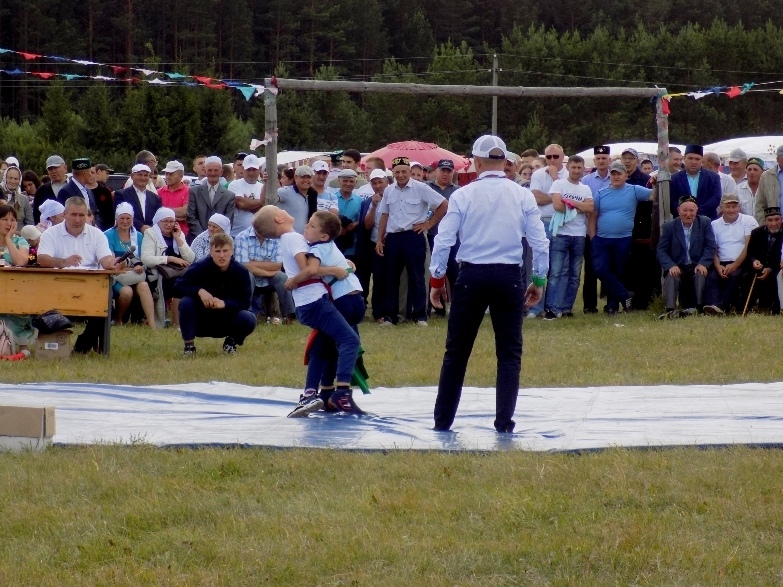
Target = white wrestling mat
(555,419)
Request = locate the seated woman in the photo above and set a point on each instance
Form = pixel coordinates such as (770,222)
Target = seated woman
(15,251)
(12,193)
(217,224)
(52,213)
(164,244)
(134,282)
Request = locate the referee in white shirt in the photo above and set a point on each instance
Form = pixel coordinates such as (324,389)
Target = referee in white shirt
(490,216)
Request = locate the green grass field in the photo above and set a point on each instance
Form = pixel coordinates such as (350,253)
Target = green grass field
(138,515)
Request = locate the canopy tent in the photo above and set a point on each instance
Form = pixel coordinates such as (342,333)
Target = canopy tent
(424,153)
(645,150)
(763,147)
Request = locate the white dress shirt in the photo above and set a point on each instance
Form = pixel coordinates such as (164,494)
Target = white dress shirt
(91,245)
(408,205)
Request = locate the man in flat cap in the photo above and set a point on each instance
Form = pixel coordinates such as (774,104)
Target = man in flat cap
(597,180)
(77,186)
(401,238)
(749,186)
(56,169)
(694,180)
(763,262)
(768,194)
(732,233)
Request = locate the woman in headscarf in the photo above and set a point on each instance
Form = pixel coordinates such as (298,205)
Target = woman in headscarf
(12,193)
(15,252)
(217,224)
(134,281)
(52,213)
(164,244)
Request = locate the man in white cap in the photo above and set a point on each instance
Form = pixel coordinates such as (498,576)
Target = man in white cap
(490,215)
(737,160)
(208,198)
(370,221)
(349,208)
(320,174)
(417,171)
(56,170)
(247,191)
(145,203)
(175,194)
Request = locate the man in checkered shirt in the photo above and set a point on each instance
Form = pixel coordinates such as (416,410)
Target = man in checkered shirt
(262,258)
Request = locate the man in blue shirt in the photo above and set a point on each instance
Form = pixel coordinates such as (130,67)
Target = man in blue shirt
(349,205)
(610,227)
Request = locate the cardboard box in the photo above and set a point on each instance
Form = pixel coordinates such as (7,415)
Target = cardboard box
(56,345)
(26,428)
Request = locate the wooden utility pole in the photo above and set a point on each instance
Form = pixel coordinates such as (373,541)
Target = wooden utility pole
(270,129)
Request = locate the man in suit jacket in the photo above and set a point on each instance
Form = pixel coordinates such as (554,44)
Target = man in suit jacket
(763,261)
(209,198)
(144,202)
(56,169)
(77,186)
(701,184)
(685,251)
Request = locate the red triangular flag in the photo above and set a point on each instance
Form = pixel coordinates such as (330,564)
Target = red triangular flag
(733,92)
(42,74)
(201,79)
(218,86)
(665,107)
(29,55)
(118,69)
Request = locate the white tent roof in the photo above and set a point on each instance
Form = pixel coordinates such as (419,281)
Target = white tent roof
(298,157)
(763,147)
(645,150)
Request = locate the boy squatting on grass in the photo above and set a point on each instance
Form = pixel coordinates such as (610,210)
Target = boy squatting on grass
(313,306)
(324,255)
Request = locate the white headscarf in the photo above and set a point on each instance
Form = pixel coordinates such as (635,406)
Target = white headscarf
(126,208)
(162,214)
(222,222)
(11,196)
(48,209)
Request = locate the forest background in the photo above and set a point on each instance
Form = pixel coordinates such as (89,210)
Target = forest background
(683,45)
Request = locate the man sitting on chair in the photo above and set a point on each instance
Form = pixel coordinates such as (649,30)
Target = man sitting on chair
(215,297)
(685,251)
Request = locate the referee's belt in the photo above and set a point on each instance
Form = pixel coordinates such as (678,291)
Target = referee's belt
(463,264)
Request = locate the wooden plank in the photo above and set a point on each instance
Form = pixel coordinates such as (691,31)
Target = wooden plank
(456,90)
(74,293)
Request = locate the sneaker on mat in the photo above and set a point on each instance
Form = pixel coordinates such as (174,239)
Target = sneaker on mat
(342,401)
(309,402)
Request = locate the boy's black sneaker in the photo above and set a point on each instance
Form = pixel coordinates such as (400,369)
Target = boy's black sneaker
(229,346)
(309,402)
(342,401)
(190,350)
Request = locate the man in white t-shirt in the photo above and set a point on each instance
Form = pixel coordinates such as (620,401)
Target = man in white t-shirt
(732,233)
(540,183)
(248,195)
(75,244)
(571,201)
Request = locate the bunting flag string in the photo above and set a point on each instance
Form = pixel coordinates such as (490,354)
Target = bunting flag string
(149,76)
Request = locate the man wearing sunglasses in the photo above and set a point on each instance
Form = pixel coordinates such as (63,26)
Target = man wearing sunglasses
(540,182)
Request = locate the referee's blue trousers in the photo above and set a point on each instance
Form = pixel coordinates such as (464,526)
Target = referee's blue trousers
(499,287)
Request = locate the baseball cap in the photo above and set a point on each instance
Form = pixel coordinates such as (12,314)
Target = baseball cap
(54,161)
(486,144)
(511,157)
(30,232)
(12,162)
(416,164)
(251,162)
(729,197)
(103,167)
(737,155)
(445,164)
(377,174)
(319,166)
(349,173)
(631,151)
(304,170)
(173,166)
(617,166)
(140,167)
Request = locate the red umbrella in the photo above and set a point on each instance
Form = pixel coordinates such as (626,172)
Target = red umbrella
(424,153)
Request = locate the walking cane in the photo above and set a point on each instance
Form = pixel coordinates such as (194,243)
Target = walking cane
(750,293)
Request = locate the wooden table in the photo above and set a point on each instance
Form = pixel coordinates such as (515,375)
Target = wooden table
(73,292)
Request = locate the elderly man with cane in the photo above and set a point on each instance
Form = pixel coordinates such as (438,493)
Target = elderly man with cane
(490,216)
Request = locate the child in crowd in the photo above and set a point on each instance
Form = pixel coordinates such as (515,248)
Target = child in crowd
(324,255)
(313,308)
